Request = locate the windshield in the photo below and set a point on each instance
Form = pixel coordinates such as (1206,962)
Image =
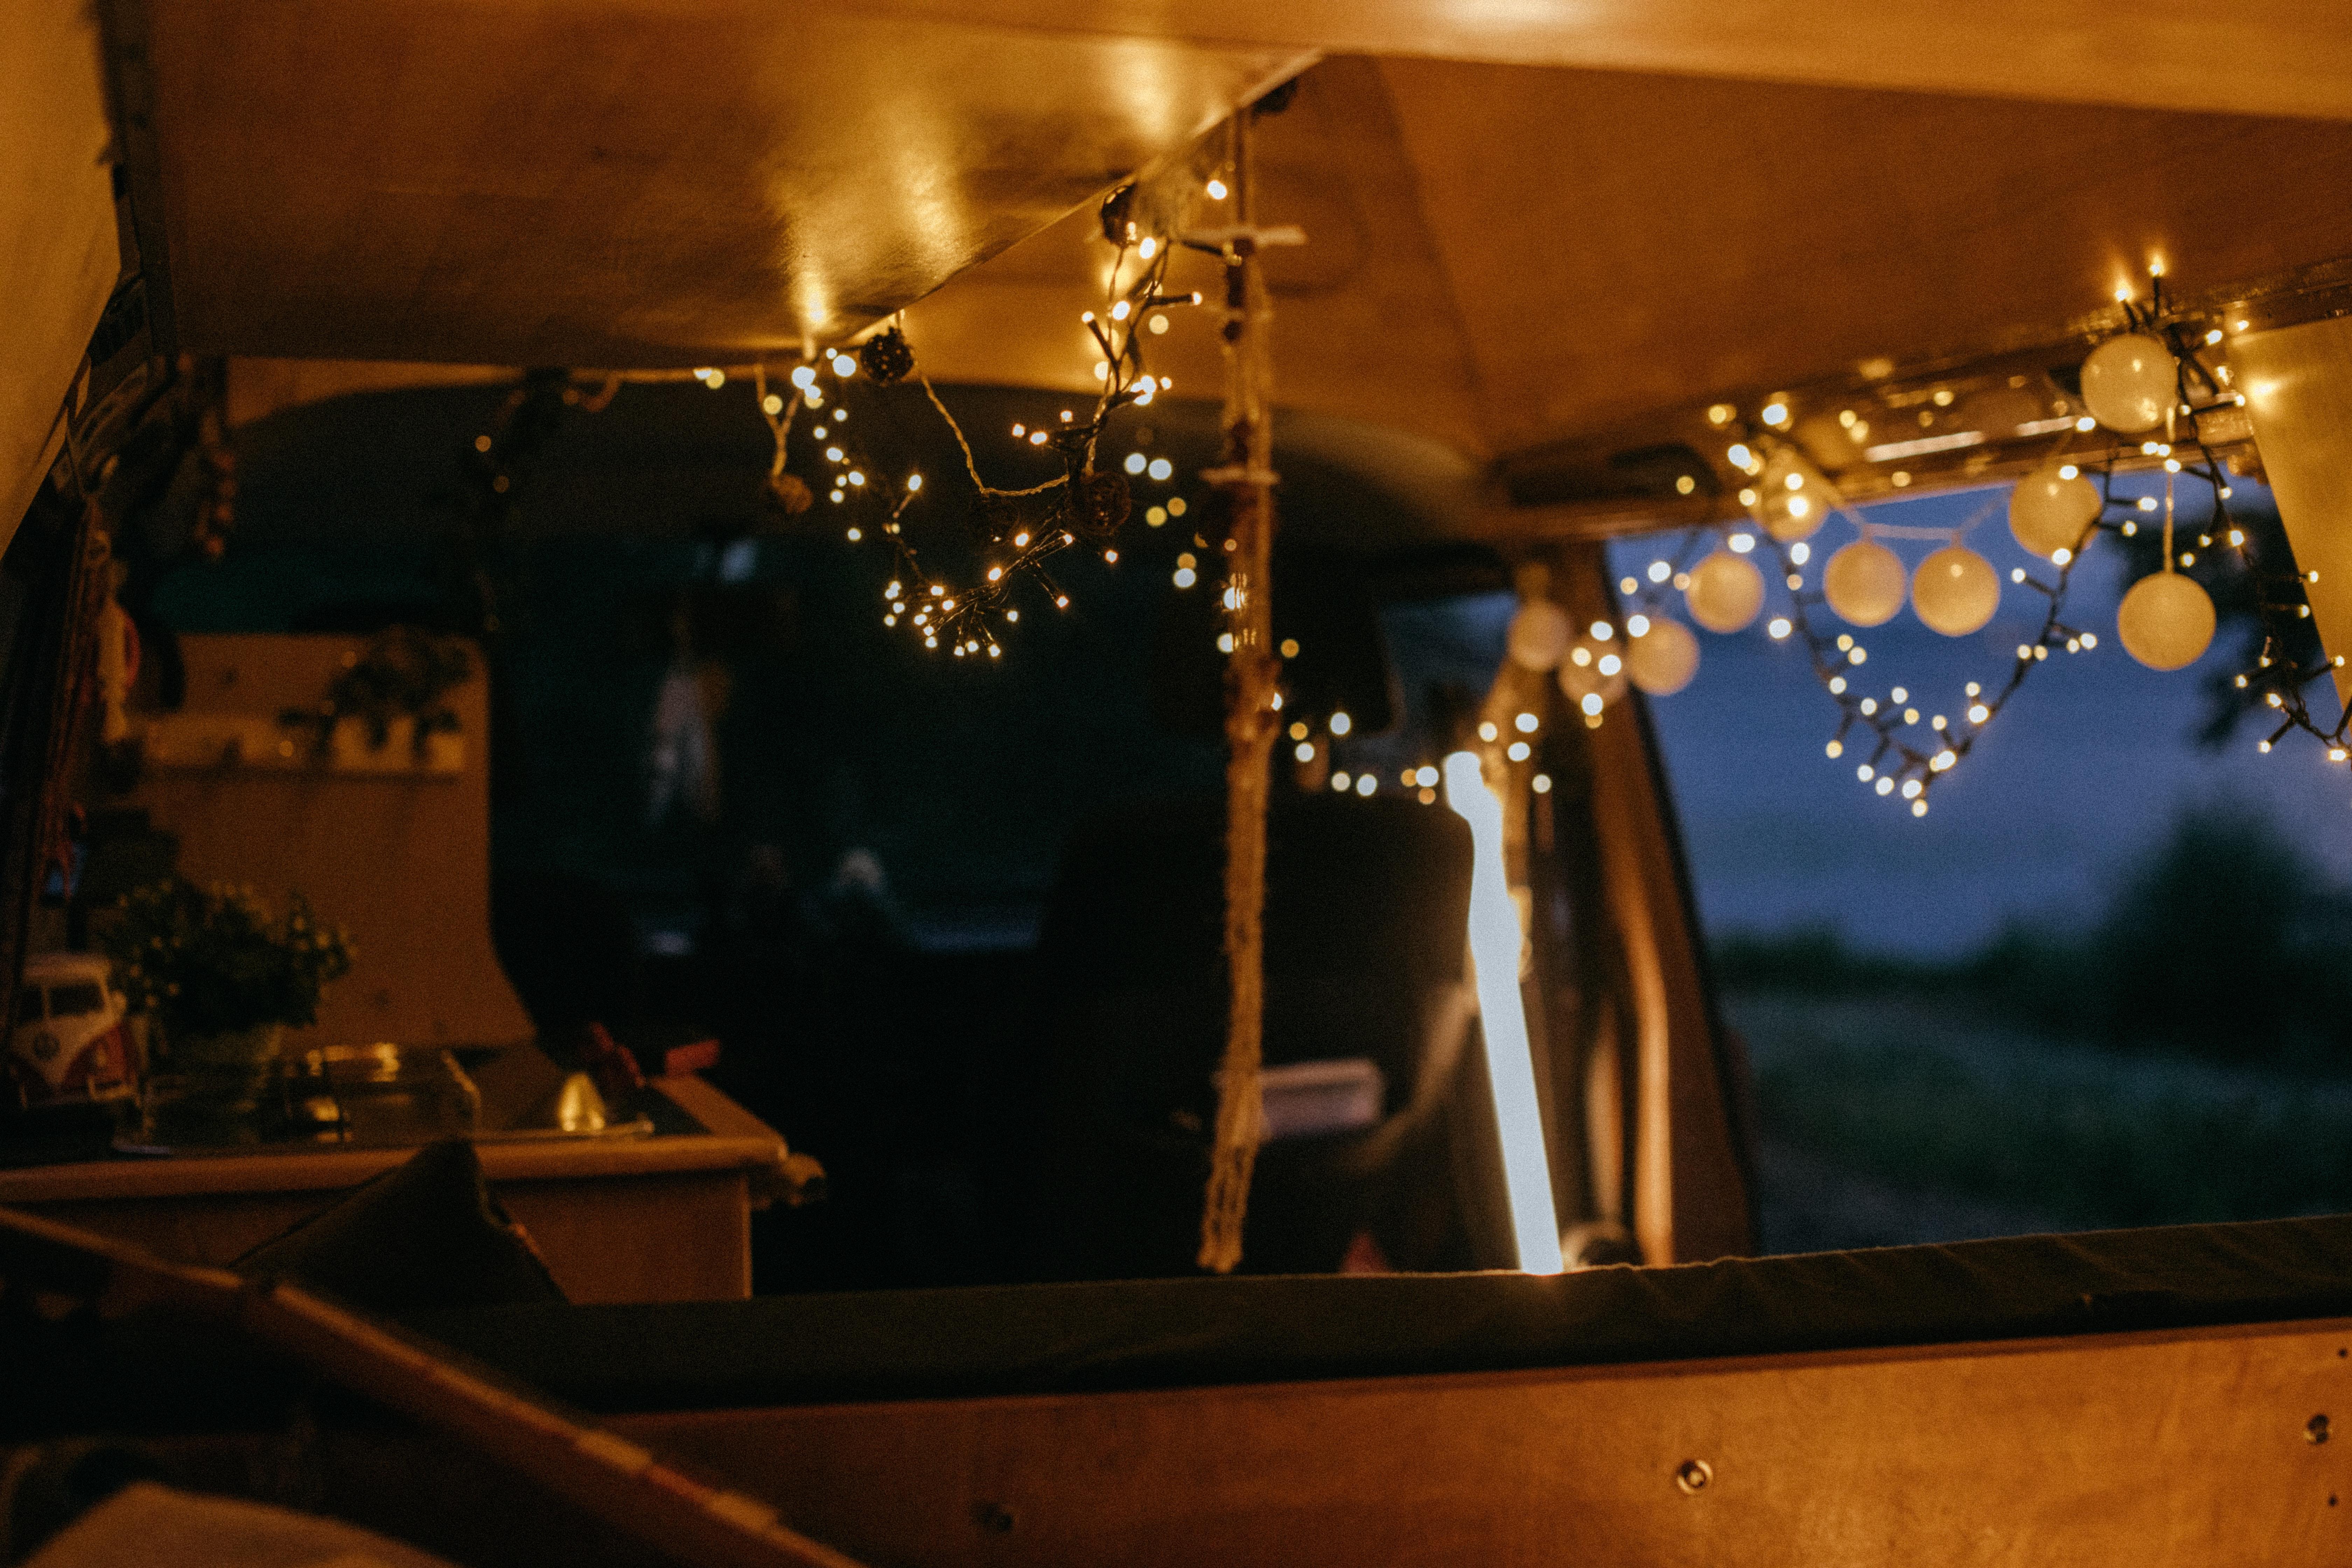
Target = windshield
(2094,986)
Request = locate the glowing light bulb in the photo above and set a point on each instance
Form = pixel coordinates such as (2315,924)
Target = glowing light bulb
(2166,621)
(803,376)
(1538,635)
(1661,658)
(1864,582)
(2129,382)
(1160,467)
(1216,189)
(1726,591)
(1955,591)
(1118,313)
(1341,723)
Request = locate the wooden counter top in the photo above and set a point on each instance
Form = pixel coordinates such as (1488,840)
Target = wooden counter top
(733,1140)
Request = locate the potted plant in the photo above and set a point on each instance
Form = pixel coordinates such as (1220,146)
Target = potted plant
(218,980)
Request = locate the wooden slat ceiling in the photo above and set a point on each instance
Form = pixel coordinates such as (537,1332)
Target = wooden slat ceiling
(1503,256)
(2255,57)
(657,182)
(1507,249)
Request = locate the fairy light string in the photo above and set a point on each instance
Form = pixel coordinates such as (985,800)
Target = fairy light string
(1883,731)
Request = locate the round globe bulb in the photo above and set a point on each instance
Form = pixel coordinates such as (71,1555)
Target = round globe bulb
(1724,592)
(1663,660)
(1600,673)
(1956,591)
(1864,582)
(1540,635)
(2129,382)
(1790,511)
(2166,621)
(2048,514)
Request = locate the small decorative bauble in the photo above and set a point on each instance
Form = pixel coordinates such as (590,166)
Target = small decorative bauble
(2048,514)
(1117,216)
(790,492)
(1724,592)
(1956,591)
(1792,499)
(1864,582)
(1099,504)
(1540,633)
(1593,669)
(2166,621)
(2129,382)
(885,357)
(1663,660)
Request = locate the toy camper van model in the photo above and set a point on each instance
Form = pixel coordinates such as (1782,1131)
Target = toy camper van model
(68,1044)
(1063,581)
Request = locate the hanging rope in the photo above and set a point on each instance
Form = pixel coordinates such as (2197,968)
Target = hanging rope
(1245,475)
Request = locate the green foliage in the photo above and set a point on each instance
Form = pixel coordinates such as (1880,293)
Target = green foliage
(1816,961)
(206,961)
(1928,1097)
(2225,941)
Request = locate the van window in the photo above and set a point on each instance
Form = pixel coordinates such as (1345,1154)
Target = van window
(75,1001)
(28,1004)
(2094,986)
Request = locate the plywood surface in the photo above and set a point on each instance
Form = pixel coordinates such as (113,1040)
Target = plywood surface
(736,1140)
(2192,1449)
(2262,56)
(650,183)
(58,249)
(403,861)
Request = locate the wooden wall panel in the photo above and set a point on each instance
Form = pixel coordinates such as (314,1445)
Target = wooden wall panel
(2191,1449)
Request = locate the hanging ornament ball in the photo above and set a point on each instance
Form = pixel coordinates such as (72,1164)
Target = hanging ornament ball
(1792,499)
(1663,660)
(1864,582)
(2048,514)
(885,358)
(1593,669)
(2129,382)
(1100,504)
(1724,592)
(2166,621)
(1956,591)
(1540,635)
(790,492)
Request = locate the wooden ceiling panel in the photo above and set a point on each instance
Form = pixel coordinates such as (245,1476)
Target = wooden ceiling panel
(657,184)
(2249,56)
(1364,323)
(1615,243)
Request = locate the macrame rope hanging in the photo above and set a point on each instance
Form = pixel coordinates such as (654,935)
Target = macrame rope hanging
(1245,475)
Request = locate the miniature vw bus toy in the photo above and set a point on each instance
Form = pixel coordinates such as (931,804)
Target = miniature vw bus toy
(68,1046)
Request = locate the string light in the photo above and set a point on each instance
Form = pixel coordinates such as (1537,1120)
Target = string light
(1892,763)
